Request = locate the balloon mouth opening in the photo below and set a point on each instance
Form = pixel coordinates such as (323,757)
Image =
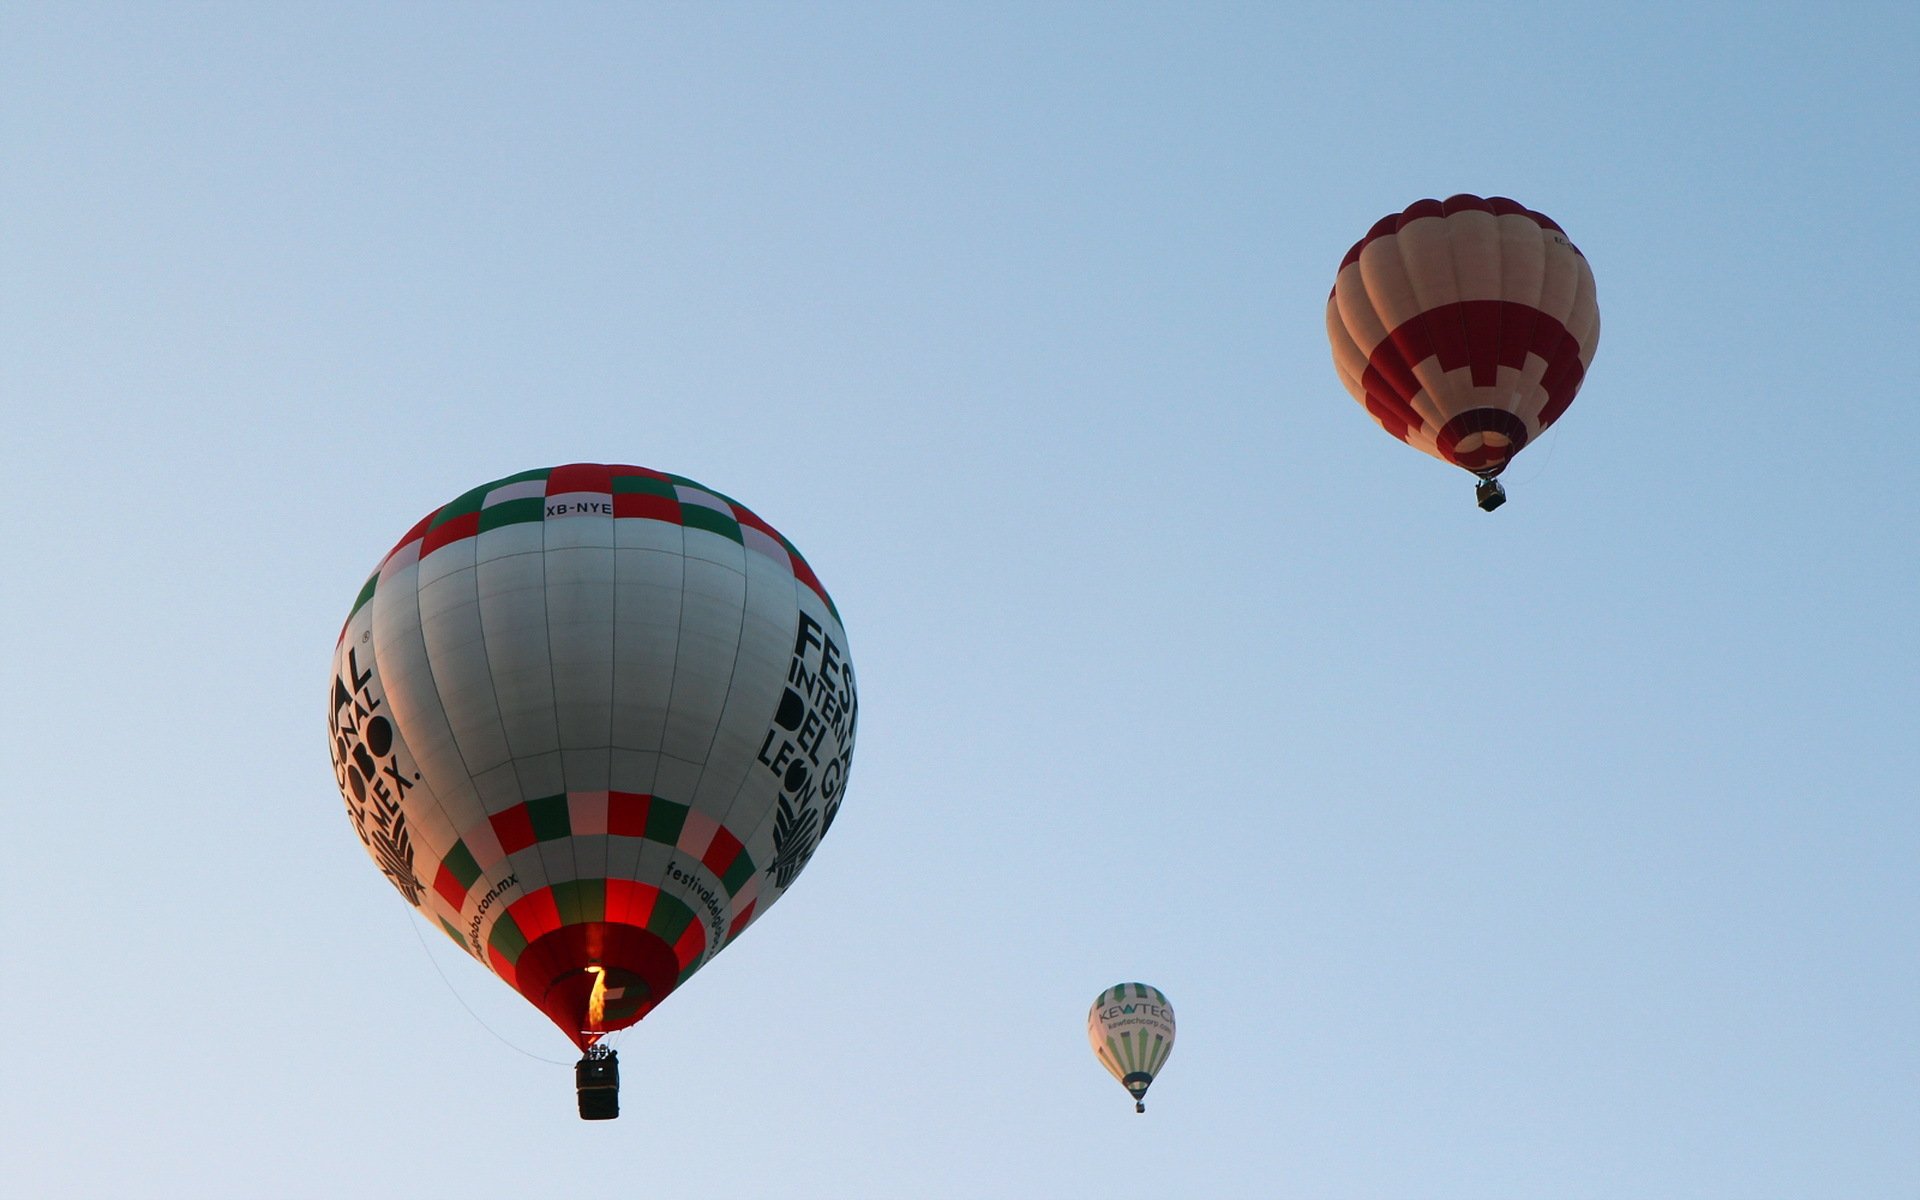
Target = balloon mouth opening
(597,977)
(1137,1082)
(1482,440)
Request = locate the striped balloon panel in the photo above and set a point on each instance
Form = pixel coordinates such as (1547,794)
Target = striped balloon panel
(1464,327)
(574,683)
(1130,1028)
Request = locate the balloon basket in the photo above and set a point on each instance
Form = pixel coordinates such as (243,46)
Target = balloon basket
(1490,494)
(597,1079)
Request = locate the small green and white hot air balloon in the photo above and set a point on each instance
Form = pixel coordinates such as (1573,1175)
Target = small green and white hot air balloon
(1131,1030)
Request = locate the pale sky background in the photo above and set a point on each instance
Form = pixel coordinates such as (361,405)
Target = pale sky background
(1561,853)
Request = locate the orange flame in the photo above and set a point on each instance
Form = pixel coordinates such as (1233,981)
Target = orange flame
(597,1001)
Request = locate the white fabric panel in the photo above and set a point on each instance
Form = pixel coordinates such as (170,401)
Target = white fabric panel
(1357,314)
(580,602)
(646,627)
(1473,250)
(400,650)
(513,614)
(1562,283)
(1426,247)
(703,670)
(457,665)
(1523,259)
(759,680)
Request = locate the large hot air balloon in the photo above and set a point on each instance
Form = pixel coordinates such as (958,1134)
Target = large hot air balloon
(592,721)
(1131,1029)
(1465,327)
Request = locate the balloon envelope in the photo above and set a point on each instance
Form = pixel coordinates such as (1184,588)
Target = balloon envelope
(1130,1027)
(1464,327)
(592,721)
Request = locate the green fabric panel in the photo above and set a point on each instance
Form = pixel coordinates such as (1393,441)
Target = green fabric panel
(366,594)
(737,874)
(695,516)
(664,819)
(629,484)
(1132,1054)
(513,512)
(459,860)
(581,900)
(522,477)
(459,939)
(549,817)
(467,503)
(669,920)
(507,938)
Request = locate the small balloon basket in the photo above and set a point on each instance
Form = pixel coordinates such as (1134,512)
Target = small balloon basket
(597,1078)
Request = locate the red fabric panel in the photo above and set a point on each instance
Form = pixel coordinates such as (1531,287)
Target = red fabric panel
(721,851)
(536,914)
(580,477)
(460,527)
(642,504)
(513,827)
(450,887)
(627,813)
(693,941)
(740,922)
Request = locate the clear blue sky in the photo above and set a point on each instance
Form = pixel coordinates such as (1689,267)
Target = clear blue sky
(1566,852)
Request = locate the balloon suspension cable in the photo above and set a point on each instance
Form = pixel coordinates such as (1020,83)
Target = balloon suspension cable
(498,1036)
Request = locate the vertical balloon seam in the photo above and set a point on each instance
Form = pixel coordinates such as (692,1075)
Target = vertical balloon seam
(666,711)
(748,781)
(706,765)
(375,638)
(1398,366)
(720,817)
(553,675)
(1530,306)
(1451,314)
(495,629)
(1507,401)
(1403,247)
(433,691)
(1511,397)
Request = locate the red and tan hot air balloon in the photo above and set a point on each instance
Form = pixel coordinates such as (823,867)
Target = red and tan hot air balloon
(1465,327)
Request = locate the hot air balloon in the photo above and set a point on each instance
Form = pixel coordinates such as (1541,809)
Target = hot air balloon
(1464,327)
(591,722)
(1130,1027)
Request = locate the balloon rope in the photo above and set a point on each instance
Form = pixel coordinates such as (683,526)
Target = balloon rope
(1553,441)
(426,950)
